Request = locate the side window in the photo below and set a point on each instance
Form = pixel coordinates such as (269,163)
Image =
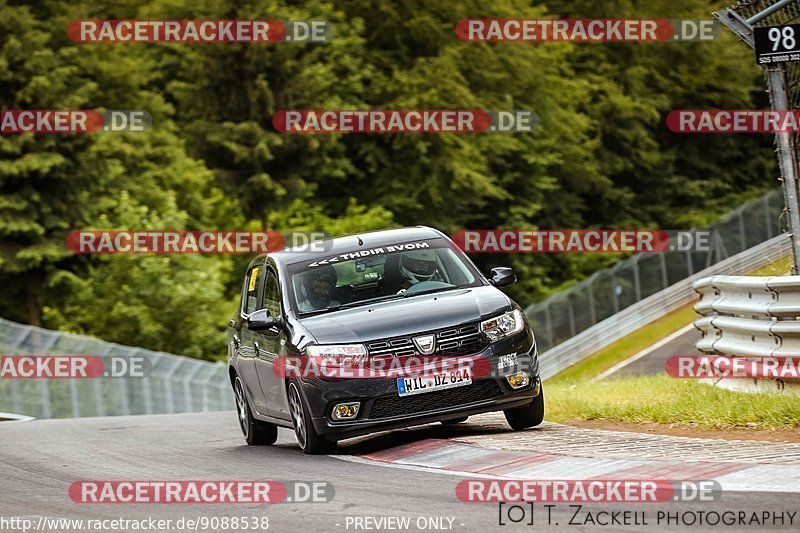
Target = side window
(250,300)
(272,298)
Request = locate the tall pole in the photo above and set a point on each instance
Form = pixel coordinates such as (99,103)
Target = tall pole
(787,156)
(779,101)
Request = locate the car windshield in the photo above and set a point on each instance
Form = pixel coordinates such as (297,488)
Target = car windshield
(361,277)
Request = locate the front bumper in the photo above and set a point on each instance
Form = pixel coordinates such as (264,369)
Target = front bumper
(383,409)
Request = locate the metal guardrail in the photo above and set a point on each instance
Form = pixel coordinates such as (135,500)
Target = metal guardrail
(175,384)
(748,316)
(655,306)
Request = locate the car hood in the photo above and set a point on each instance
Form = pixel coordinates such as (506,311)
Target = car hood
(406,316)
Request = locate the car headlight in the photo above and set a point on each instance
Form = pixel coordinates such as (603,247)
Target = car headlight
(348,355)
(503,326)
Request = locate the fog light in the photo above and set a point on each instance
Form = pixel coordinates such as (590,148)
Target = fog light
(345,411)
(518,379)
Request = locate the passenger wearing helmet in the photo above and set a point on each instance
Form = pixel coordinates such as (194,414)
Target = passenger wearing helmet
(319,285)
(417,266)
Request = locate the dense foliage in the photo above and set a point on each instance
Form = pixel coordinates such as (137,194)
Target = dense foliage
(601,156)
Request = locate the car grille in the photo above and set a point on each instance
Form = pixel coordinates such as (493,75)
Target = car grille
(460,340)
(386,406)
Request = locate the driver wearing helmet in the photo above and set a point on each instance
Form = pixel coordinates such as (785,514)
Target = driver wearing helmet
(319,288)
(417,266)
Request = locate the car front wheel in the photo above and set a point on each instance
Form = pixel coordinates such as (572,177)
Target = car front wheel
(255,431)
(527,416)
(309,440)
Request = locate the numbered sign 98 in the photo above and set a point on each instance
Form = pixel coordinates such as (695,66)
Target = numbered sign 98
(777,44)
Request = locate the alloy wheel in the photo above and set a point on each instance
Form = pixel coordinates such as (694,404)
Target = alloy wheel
(241,407)
(298,417)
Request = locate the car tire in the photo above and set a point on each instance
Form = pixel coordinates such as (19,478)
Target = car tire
(454,421)
(309,440)
(255,432)
(527,416)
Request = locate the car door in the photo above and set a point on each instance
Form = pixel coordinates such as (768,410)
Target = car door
(253,285)
(269,345)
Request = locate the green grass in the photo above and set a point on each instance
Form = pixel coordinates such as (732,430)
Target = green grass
(666,400)
(781,267)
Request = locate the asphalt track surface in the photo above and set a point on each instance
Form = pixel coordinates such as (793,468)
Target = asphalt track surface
(653,363)
(42,458)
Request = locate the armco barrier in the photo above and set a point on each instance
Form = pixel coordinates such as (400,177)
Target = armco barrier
(752,316)
(655,306)
(175,384)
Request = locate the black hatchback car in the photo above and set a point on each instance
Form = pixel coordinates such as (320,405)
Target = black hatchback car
(394,296)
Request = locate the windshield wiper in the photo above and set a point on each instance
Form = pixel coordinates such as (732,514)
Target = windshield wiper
(429,291)
(357,303)
(363,302)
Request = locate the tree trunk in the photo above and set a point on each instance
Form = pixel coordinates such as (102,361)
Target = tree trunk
(34,313)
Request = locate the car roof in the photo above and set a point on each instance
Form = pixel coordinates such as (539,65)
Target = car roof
(349,243)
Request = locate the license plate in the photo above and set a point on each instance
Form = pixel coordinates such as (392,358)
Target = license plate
(440,381)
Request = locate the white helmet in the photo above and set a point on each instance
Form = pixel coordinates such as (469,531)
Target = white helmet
(419,265)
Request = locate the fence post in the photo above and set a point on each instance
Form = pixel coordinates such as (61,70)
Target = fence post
(637,286)
(768,219)
(44,391)
(571,315)
(592,310)
(168,386)
(664,277)
(187,391)
(549,323)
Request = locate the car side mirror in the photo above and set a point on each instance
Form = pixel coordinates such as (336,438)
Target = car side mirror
(261,320)
(503,277)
